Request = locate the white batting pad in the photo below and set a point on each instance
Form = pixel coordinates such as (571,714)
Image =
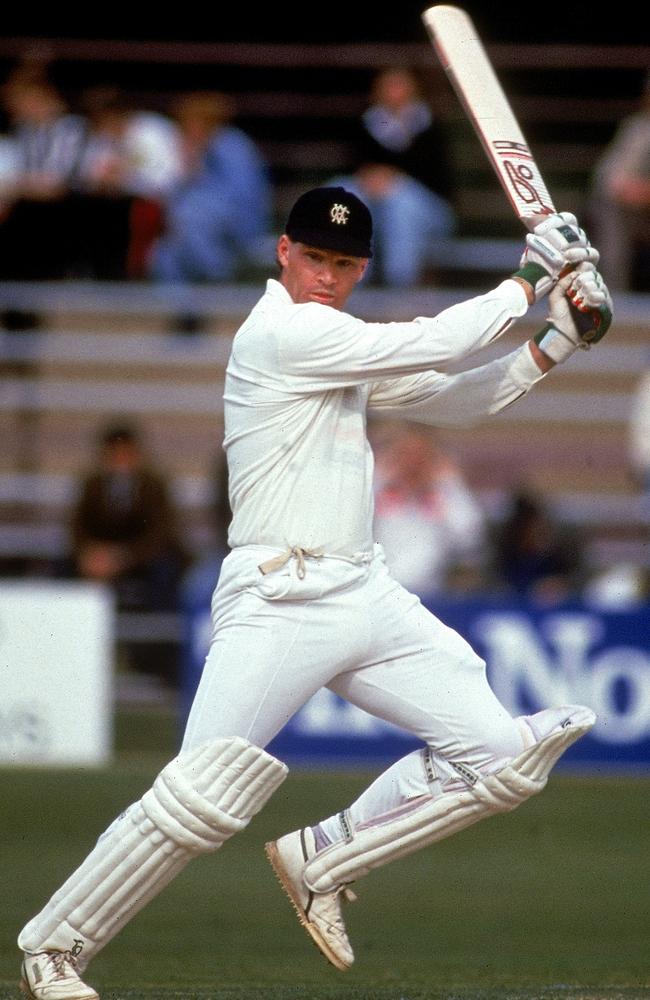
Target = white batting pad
(197,801)
(433,819)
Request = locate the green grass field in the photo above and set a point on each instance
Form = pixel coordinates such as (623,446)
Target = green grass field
(548,902)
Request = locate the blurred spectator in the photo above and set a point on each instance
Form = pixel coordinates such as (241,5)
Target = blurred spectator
(131,160)
(535,557)
(9,172)
(217,214)
(626,584)
(401,172)
(428,521)
(124,529)
(639,438)
(201,578)
(620,225)
(623,586)
(200,581)
(40,162)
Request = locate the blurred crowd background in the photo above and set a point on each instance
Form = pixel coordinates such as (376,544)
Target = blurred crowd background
(140,201)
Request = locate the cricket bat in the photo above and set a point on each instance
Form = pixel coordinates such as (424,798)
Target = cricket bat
(472,76)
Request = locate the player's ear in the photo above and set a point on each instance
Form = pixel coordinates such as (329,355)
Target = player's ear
(364,268)
(283,250)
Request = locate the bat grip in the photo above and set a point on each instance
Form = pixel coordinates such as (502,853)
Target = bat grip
(587,323)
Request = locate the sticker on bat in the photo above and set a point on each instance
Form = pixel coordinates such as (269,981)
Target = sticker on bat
(522,180)
(508,147)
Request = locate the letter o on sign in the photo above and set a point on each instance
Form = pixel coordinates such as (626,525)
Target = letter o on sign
(627,671)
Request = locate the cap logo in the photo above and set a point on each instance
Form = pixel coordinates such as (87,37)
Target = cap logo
(339,214)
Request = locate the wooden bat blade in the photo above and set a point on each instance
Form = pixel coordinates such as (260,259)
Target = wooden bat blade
(472,76)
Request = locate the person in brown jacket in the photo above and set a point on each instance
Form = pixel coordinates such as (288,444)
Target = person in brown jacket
(123,527)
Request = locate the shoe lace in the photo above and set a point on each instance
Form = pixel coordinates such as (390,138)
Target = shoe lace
(333,907)
(59,960)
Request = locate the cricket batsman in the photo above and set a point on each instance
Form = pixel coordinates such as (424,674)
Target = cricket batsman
(305,599)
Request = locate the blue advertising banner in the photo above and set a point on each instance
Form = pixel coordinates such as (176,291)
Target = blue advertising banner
(537,657)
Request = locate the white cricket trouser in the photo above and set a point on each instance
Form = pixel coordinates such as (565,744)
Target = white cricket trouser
(349,627)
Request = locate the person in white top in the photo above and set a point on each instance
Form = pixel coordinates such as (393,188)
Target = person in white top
(620,200)
(429,522)
(305,599)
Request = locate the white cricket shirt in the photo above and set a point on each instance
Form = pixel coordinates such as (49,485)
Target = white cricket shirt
(299,383)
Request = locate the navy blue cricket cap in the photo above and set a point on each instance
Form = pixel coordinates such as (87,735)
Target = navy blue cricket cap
(333,219)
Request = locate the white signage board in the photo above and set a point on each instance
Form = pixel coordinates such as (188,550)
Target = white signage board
(56,665)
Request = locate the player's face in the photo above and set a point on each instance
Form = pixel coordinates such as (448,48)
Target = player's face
(313,275)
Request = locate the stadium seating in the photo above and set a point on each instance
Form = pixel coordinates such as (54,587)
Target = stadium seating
(108,349)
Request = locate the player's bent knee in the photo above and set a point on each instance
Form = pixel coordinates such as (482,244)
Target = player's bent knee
(197,801)
(505,739)
(438,816)
(205,796)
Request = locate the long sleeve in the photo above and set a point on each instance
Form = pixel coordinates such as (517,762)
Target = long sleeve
(462,399)
(340,350)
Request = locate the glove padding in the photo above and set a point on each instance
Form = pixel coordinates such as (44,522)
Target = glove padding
(581,314)
(555,244)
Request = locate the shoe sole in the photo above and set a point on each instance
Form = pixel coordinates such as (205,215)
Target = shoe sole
(283,878)
(24,988)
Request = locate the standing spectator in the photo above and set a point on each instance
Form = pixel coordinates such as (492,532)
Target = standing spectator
(217,214)
(131,161)
(621,209)
(198,583)
(9,172)
(124,529)
(426,518)
(400,171)
(625,583)
(38,230)
(639,438)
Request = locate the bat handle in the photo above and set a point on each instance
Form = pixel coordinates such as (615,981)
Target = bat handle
(588,322)
(530,221)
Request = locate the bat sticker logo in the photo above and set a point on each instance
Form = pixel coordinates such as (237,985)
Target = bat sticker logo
(508,147)
(521,178)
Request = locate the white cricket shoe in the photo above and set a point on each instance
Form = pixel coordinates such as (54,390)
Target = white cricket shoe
(319,913)
(52,975)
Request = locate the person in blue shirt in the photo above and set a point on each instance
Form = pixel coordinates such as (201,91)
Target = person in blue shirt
(217,215)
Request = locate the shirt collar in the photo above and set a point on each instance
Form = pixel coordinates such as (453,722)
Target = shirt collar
(277,290)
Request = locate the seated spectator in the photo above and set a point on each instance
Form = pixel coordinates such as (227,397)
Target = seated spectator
(130,162)
(428,521)
(217,214)
(42,150)
(621,203)
(400,171)
(123,528)
(535,557)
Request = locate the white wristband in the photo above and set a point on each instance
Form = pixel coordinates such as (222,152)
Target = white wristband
(556,345)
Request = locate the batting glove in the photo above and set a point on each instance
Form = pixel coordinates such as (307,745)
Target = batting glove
(581,314)
(554,245)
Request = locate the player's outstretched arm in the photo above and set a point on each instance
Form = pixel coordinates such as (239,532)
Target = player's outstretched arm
(578,294)
(556,244)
